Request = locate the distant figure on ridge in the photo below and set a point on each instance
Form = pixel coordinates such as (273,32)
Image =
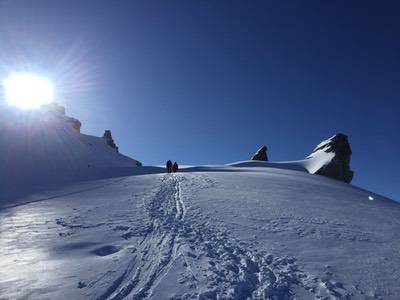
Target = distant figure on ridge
(169,166)
(175,167)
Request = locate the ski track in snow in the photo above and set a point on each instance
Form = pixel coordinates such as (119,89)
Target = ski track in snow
(216,266)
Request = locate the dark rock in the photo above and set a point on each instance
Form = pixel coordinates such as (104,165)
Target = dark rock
(109,140)
(339,167)
(261,154)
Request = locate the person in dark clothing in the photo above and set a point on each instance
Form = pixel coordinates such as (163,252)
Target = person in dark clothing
(169,166)
(175,167)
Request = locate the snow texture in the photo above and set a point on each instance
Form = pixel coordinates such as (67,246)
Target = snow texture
(310,165)
(79,221)
(206,233)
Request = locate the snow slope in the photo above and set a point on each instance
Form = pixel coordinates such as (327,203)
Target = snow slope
(42,147)
(331,158)
(311,164)
(217,232)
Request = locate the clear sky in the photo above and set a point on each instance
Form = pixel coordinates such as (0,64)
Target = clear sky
(204,82)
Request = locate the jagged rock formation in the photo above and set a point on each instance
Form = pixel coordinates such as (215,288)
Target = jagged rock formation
(76,124)
(339,166)
(109,140)
(261,154)
(57,109)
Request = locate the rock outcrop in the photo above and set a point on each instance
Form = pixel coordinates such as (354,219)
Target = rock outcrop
(76,124)
(109,140)
(261,154)
(339,167)
(59,110)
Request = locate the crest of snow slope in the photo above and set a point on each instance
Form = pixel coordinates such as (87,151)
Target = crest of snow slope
(42,147)
(311,164)
(330,158)
(207,233)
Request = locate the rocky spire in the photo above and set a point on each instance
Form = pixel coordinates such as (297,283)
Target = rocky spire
(261,154)
(339,167)
(109,140)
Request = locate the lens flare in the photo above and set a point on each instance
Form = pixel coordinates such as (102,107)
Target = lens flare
(28,91)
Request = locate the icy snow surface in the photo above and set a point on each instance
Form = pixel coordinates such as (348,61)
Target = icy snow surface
(216,232)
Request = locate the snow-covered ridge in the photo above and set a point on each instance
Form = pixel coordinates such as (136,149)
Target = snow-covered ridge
(310,165)
(46,146)
(331,158)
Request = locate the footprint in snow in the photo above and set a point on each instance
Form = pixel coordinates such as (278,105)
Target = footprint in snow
(106,250)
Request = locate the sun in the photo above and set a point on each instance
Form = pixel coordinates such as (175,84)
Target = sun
(28,91)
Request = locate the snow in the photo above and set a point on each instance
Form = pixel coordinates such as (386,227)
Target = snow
(311,164)
(214,232)
(40,149)
(80,221)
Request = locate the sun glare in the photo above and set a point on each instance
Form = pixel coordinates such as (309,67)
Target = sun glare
(28,91)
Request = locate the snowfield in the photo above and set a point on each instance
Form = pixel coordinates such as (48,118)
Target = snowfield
(78,220)
(216,232)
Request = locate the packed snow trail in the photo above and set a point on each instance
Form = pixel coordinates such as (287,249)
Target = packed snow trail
(215,266)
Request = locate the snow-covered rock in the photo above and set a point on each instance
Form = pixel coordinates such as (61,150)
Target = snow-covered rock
(76,124)
(261,154)
(339,165)
(57,109)
(331,158)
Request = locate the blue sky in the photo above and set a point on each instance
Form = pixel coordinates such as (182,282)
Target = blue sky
(205,82)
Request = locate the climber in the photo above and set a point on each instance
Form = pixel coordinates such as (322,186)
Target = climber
(169,166)
(175,167)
